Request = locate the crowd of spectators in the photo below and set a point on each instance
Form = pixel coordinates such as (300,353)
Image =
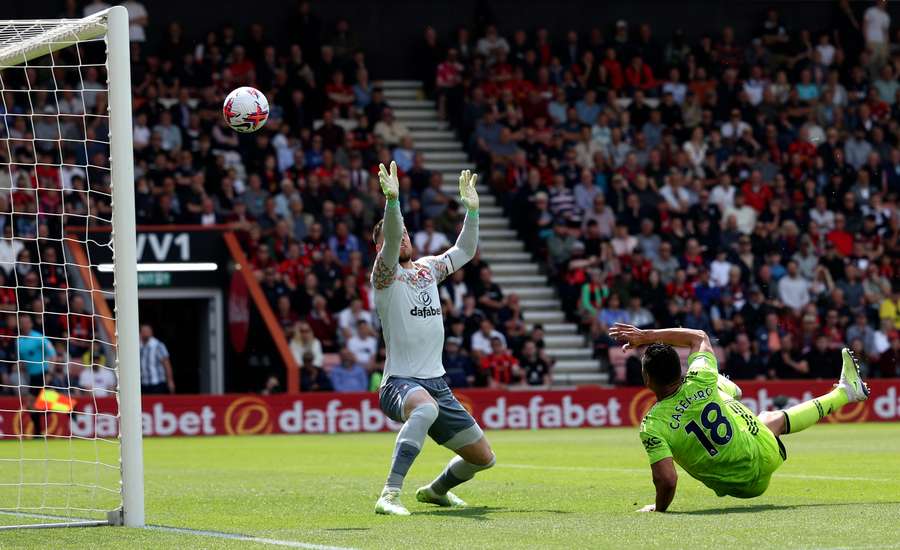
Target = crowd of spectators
(746,186)
(300,193)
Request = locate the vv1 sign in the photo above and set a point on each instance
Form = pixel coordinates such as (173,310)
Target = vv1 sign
(177,258)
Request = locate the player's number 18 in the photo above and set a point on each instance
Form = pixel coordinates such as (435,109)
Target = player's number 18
(712,425)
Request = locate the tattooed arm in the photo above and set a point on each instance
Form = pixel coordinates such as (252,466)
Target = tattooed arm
(392,230)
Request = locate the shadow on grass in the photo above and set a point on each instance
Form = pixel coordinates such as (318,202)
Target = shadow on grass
(753,509)
(481,513)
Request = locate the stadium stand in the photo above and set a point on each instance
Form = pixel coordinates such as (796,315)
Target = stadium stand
(746,188)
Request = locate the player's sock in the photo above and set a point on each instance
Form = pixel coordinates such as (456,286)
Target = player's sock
(409,443)
(850,388)
(457,471)
(802,416)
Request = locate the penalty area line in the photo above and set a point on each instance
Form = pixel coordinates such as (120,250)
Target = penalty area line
(243,538)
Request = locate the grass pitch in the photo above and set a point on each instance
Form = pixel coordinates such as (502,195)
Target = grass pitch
(840,488)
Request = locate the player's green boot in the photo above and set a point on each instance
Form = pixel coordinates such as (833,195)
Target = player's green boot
(389,504)
(851,381)
(426,494)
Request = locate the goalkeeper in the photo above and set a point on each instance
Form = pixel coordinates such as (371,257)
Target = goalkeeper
(699,423)
(413,390)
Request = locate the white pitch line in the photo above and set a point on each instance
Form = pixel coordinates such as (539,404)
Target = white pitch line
(244,538)
(80,522)
(641,471)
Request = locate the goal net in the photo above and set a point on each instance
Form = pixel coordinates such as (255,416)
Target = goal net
(70,425)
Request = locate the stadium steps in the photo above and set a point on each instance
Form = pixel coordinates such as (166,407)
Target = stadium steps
(400,94)
(427,146)
(406,103)
(513,267)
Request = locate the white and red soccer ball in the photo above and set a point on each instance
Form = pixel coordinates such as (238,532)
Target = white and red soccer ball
(246,109)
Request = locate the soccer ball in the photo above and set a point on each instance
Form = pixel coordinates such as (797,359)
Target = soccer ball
(246,109)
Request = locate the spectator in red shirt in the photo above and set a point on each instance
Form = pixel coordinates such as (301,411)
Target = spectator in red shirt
(803,147)
(756,192)
(614,75)
(340,96)
(449,86)
(323,324)
(262,260)
(242,69)
(640,266)
(500,365)
(639,75)
(840,237)
(293,268)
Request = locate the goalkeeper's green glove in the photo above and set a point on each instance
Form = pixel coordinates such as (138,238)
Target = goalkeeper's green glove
(467,193)
(390,185)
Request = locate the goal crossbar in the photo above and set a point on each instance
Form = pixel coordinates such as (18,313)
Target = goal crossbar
(24,40)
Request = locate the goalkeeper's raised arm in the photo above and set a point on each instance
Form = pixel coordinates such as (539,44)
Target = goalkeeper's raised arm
(391,239)
(467,241)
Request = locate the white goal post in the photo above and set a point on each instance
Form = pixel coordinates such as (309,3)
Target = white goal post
(70,412)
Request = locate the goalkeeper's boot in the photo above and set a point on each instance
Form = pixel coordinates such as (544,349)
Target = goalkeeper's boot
(389,503)
(426,494)
(851,381)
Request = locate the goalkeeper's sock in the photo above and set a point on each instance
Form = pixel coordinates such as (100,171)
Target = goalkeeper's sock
(458,471)
(802,416)
(409,442)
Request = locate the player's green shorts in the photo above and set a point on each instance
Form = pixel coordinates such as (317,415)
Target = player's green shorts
(770,455)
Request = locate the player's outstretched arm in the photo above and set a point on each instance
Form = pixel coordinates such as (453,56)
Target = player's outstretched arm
(665,479)
(392,230)
(467,242)
(634,337)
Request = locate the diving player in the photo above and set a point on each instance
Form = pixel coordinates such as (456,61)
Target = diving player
(699,423)
(413,390)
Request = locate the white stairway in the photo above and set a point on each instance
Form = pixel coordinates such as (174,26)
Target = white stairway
(513,268)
